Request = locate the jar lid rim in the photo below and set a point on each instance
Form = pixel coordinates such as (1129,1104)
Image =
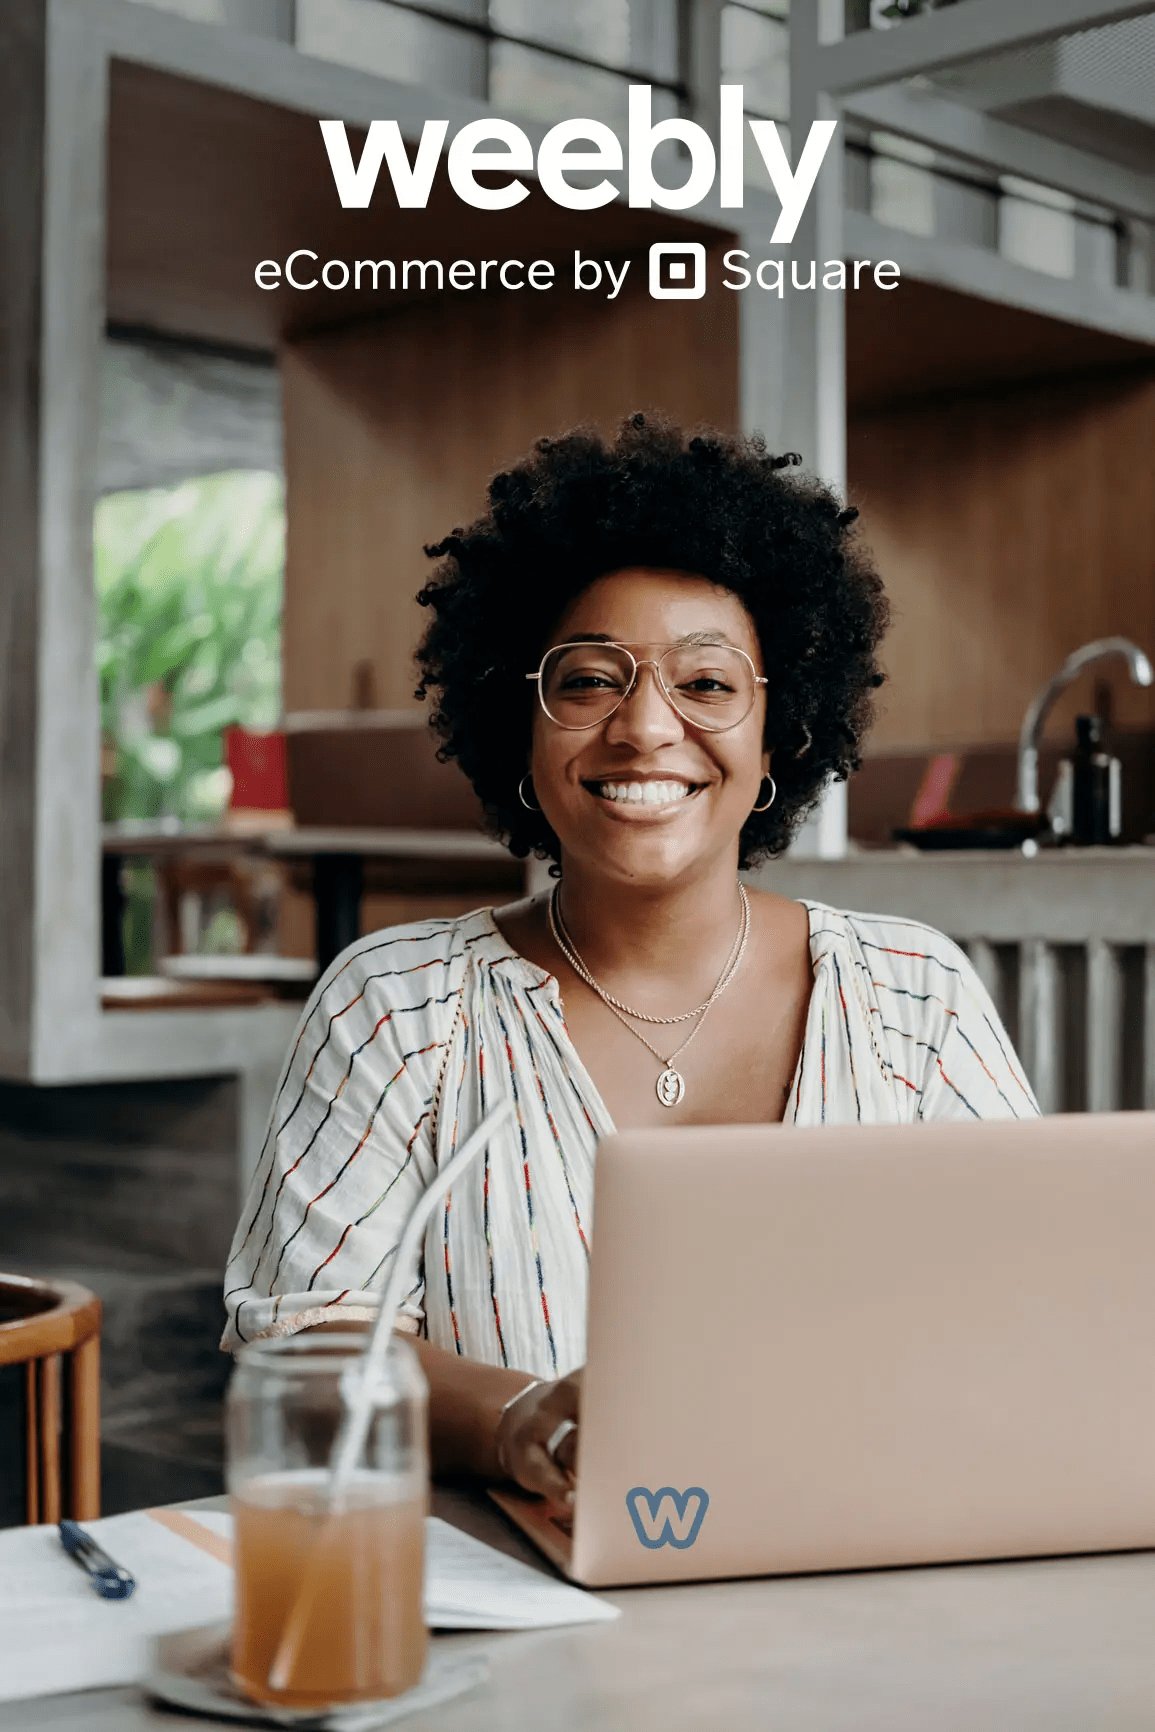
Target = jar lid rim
(311,1352)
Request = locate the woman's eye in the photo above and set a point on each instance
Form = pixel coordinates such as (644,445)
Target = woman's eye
(706,683)
(589,679)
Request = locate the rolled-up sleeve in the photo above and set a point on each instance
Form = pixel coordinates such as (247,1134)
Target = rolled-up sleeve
(348,1147)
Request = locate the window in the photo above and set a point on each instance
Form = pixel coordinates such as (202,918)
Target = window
(598,29)
(543,59)
(536,86)
(188,583)
(755,53)
(397,42)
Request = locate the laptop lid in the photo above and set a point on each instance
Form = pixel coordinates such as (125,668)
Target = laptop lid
(844,1347)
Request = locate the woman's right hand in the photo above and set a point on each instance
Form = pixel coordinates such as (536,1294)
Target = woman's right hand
(525,1429)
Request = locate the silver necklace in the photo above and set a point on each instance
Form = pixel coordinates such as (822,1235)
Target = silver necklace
(670,1087)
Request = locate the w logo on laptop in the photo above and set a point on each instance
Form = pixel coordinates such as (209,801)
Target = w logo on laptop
(667,1517)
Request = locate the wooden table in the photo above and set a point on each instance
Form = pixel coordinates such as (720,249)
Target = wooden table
(1063,1645)
(338,858)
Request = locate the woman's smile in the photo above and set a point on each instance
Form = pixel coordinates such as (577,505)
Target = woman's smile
(636,795)
(644,795)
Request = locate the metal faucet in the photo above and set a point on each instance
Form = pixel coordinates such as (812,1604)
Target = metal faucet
(1027,794)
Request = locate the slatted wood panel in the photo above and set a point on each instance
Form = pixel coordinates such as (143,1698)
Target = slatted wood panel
(1011,527)
(1039,1021)
(393,428)
(1082,1018)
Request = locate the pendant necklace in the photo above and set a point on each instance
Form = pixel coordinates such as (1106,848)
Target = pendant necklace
(670,1087)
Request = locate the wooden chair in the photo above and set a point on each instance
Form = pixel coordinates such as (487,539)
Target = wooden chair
(52,1328)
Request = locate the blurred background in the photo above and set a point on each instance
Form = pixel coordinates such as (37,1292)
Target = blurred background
(213,770)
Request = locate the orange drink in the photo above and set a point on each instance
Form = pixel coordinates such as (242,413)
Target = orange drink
(361,1631)
(329,1595)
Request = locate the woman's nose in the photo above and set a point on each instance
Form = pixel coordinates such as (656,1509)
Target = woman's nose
(645,717)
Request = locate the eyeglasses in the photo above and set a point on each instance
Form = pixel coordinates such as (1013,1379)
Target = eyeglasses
(712,686)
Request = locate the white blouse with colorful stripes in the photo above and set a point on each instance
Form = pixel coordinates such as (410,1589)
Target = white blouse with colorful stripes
(899,1028)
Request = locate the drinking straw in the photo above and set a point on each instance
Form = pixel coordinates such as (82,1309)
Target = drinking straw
(358,1416)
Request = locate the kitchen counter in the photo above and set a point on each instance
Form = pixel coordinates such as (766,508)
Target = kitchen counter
(1061,895)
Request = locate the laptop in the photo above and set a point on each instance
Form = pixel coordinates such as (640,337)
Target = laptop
(845,1347)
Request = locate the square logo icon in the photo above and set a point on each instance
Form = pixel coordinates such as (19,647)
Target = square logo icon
(677,271)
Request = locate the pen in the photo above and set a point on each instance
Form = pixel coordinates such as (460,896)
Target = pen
(110,1580)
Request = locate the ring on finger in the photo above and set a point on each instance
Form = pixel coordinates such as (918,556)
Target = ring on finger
(558,1436)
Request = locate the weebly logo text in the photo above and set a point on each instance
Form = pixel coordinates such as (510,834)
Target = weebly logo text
(582,148)
(667,1517)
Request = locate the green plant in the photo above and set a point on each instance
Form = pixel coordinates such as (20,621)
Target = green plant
(189,587)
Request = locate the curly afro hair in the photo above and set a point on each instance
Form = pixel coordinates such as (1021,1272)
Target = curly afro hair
(713,505)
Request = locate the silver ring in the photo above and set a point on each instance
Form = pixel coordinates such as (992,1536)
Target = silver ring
(558,1436)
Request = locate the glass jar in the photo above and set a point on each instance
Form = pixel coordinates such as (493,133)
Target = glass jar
(329,1602)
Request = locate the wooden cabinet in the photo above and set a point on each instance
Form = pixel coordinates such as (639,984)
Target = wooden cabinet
(1002,462)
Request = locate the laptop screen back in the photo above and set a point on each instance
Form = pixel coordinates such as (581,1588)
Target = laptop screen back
(845,1347)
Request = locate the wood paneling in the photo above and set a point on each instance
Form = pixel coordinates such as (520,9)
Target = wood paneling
(921,340)
(203,183)
(393,428)
(1010,528)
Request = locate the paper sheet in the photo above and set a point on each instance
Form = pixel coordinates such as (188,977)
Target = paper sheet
(57,1634)
(469,1586)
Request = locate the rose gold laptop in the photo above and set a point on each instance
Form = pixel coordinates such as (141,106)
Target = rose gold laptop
(845,1347)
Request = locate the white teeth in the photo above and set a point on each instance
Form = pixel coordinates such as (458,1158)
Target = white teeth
(644,793)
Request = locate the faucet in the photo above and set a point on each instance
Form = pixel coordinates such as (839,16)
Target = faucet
(1027,793)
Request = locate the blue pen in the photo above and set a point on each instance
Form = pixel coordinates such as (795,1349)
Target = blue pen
(110,1580)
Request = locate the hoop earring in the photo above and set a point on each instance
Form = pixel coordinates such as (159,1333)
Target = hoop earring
(521,794)
(773,794)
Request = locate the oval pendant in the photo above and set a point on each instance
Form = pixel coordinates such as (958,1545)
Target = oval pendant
(670,1086)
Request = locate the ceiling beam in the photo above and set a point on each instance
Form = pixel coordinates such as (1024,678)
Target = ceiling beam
(869,58)
(975,271)
(975,137)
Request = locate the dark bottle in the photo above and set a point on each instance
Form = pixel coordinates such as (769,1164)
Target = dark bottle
(1096,816)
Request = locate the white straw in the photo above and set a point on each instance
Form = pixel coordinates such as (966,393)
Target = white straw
(354,1428)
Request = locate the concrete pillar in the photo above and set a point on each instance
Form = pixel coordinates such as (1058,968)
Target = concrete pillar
(22,100)
(53,94)
(814,418)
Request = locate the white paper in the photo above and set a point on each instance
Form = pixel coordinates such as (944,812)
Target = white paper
(56,1633)
(470,1586)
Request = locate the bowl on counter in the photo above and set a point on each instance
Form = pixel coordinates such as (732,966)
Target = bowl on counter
(997,827)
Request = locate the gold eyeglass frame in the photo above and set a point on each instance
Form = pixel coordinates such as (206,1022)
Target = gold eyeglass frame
(638,664)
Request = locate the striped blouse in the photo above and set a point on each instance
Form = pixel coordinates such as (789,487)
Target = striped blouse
(415,1031)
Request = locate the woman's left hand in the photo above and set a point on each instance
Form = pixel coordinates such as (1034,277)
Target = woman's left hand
(524,1432)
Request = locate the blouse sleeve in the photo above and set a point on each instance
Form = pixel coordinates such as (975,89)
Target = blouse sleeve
(971,1069)
(348,1146)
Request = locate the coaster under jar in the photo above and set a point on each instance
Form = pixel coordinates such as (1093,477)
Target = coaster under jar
(191,1671)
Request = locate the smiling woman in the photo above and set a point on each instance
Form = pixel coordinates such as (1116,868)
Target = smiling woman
(804,598)
(649,657)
